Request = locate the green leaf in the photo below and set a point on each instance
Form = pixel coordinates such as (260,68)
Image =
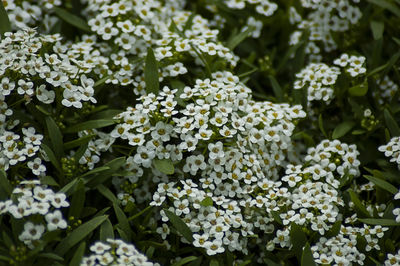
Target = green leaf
(100,81)
(377,28)
(391,7)
(78,255)
(48,180)
(184,261)
(78,142)
(133,217)
(68,187)
(276,88)
(342,129)
(55,137)
(151,73)
(298,239)
(236,39)
(207,201)
(5,25)
(382,184)
(51,156)
(180,225)
(106,192)
(276,217)
(4,183)
(123,221)
(391,123)
(78,200)
(51,256)
(383,222)
(360,208)
(78,234)
(359,90)
(214,262)
(106,230)
(164,166)
(72,19)
(90,125)
(96,171)
(335,229)
(321,125)
(307,258)
(386,67)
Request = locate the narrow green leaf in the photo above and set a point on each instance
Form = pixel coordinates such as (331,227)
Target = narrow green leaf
(78,142)
(391,7)
(321,125)
(342,129)
(48,180)
(4,183)
(307,258)
(96,171)
(106,230)
(164,166)
(180,225)
(383,222)
(106,192)
(276,88)
(7,240)
(391,123)
(359,90)
(276,217)
(69,187)
(386,67)
(123,220)
(377,28)
(51,256)
(101,81)
(335,229)
(41,109)
(90,125)
(238,38)
(55,137)
(78,234)
(382,184)
(81,151)
(133,217)
(78,255)
(72,19)
(151,73)
(214,262)
(78,200)
(360,208)
(5,25)
(184,261)
(51,156)
(358,132)
(207,201)
(298,239)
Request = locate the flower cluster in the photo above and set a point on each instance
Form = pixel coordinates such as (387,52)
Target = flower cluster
(312,197)
(392,149)
(115,252)
(324,19)
(263,7)
(354,65)
(31,13)
(318,79)
(39,207)
(387,90)
(30,65)
(223,144)
(342,249)
(132,28)
(13,150)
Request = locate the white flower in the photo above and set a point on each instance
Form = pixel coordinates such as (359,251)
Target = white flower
(55,220)
(31,232)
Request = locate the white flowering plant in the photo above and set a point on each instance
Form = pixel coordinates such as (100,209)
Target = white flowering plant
(229,132)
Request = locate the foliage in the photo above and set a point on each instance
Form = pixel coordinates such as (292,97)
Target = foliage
(206,132)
